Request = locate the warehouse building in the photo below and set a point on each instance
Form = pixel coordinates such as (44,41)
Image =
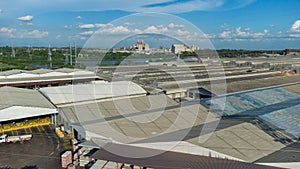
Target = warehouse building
(45,77)
(80,94)
(21,106)
(276,106)
(94,91)
(160,125)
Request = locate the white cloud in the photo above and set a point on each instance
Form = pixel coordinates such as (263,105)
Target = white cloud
(151,29)
(172,25)
(240,34)
(247,29)
(128,23)
(7,30)
(68,26)
(137,31)
(33,34)
(154,29)
(101,25)
(296,26)
(114,30)
(78,37)
(78,17)
(87,33)
(26,18)
(225,34)
(177,31)
(86,26)
(180,32)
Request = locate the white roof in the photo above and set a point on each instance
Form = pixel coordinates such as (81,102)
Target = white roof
(22,75)
(82,72)
(92,91)
(43,73)
(13,96)
(54,74)
(20,112)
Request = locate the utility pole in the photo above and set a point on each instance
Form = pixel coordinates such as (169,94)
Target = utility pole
(50,56)
(29,51)
(13,52)
(66,57)
(71,61)
(75,52)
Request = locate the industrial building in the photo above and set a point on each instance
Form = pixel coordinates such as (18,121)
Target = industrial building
(256,125)
(276,106)
(45,77)
(94,91)
(158,122)
(20,107)
(120,119)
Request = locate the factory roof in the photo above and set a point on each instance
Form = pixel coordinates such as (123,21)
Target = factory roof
(162,120)
(92,91)
(42,72)
(18,103)
(13,96)
(20,112)
(21,77)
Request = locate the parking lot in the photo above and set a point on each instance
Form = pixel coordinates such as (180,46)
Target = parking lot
(41,152)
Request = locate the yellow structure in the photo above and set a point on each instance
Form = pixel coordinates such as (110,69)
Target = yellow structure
(25,125)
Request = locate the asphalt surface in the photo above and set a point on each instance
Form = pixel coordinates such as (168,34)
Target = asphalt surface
(41,152)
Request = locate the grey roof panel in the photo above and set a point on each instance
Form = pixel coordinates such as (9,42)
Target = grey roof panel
(12,96)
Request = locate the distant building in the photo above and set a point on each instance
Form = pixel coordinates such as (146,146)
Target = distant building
(140,46)
(292,51)
(179,48)
(120,50)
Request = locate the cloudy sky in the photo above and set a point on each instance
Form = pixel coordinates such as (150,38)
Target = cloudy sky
(235,24)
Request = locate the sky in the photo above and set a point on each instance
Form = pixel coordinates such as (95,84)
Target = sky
(219,24)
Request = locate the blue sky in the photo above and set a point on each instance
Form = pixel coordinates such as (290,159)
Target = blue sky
(234,24)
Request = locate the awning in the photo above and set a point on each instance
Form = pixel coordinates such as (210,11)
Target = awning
(20,112)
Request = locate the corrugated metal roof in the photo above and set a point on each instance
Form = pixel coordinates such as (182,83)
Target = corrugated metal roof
(95,113)
(138,120)
(22,75)
(81,72)
(89,92)
(53,74)
(16,73)
(20,112)
(12,96)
